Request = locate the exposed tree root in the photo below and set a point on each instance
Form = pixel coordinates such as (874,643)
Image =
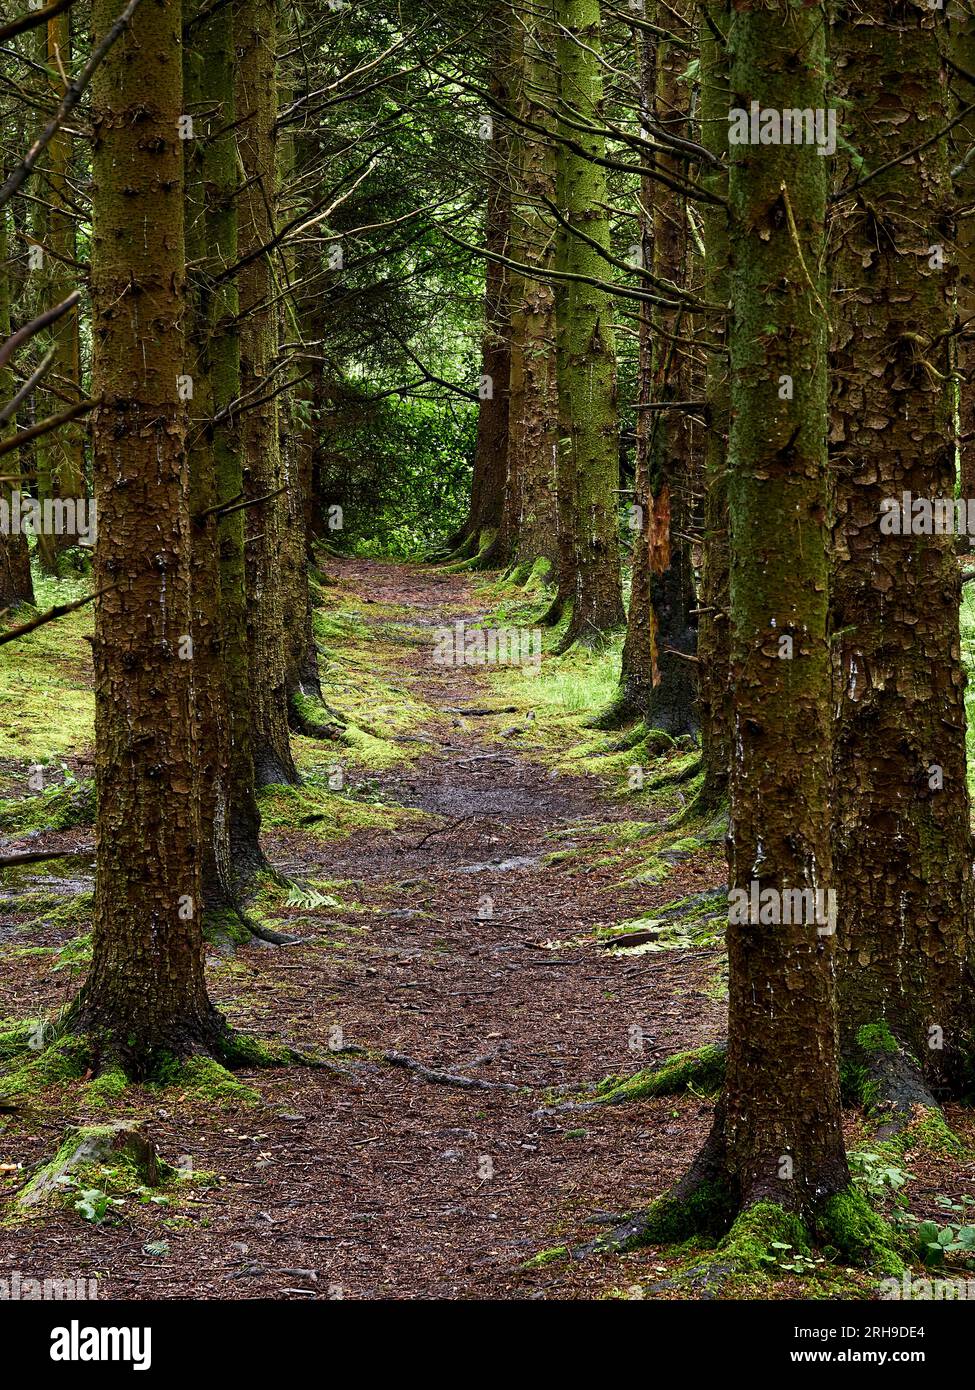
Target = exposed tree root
(701,1069)
(675,779)
(622,711)
(200,1056)
(231,921)
(301,720)
(555,611)
(446,1078)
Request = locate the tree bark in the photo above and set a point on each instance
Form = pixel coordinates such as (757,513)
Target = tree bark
(145,995)
(657,680)
(586,355)
(903,845)
(491,451)
(713,623)
(15,577)
(530,522)
(256,95)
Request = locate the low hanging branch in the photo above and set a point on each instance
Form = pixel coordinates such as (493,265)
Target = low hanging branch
(16,341)
(58,611)
(10,409)
(53,422)
(225,508)
(33,18)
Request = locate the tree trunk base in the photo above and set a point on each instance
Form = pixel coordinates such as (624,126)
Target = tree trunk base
(750,1227)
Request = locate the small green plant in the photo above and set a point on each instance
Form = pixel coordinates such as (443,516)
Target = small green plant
(878,1178)
(93,1203)
(309,898)
(936,1243)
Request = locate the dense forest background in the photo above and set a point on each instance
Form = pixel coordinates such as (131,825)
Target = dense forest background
(370,378)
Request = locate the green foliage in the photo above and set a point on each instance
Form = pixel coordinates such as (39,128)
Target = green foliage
(410,483)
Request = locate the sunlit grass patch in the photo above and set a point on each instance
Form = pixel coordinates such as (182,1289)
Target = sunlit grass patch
(47,705)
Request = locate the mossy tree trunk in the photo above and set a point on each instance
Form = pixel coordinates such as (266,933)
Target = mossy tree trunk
(210,696)
(775,1153)
(221,180)
(781,1094)
(529,523)
(903,845)
(491,452)
(67,443)
(589,452)
(713,622)
(145,994)
(302,680)
(15,578)
(256,95)
(961,38)
(658,676)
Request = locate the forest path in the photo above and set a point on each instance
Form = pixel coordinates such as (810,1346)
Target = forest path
(380,1183)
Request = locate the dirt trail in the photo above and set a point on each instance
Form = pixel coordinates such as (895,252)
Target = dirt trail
(379,1183)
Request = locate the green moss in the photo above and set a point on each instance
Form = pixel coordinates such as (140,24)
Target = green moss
(75,955)
(15,1038)
(47,706)
(56,808)
(207,1079)
(547,1257)
(223,926)
(751,1242)
(702,1069)
(671,1220)
(928,1132)
(242,1050)
(877,1037)
(106,1089)
(63,1059)
(849,1224)
(328,815)
(540,576)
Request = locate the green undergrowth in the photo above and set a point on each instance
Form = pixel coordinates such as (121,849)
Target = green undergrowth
(642,852)
(693,923)
(360,654)
(35,1056)
(203,1078)
(66,806)
(293,907)
(316,809)
(47,706)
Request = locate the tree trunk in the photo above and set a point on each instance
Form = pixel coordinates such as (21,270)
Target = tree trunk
(15,577)
(713,623)
(903,846)
(589,466)
(490,456)
(529,524)
(209,693)
(67,443)
(657,678)
(775,1154)
(961,34)
(145,995)
(256,94)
